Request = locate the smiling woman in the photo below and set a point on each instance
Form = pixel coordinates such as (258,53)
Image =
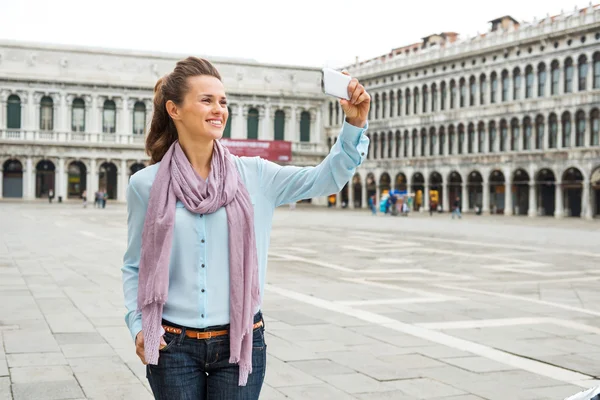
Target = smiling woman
(199,228)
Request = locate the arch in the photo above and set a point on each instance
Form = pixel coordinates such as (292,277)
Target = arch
(545,181)
(406,140)
(109,117)
(139,118)
(400,183)
(46,113)
(516,83)
(416,100)
(595,127)
(461,138)
(566,129)
(418,188)
(514,133)
(552,131)
(541,79)
(432,141)
(369,154)
(475,190)
(376,105)
(554,77)
(580,128)
(505,85)
(582,68)
(423,142)
(442,140)
(539,132)
(527,133)
(436,190)
(520,191)
(330,113)
(443,95)
(434,97)
(385,184)
(382,138)
(493,87)
(415,137)
(78,115)
(482,88)
(493,136)
(528,82)
(595,186)
(375,145)
(383,104)
(398,143)
(399,104)
(357,190)
(252,124)
(455,183)
(572,185)
(503,135)
(451,139)
(452,94)
(13,112)
(305,126)
(389,144)
(135,168)
(568,75)
(44,178)
(596,70)
(425,101)
(471,138)
(107,179)
(497,192)
(462,93)
(12,179)
(392,106)
(481,136)
(77,179)
(472,91)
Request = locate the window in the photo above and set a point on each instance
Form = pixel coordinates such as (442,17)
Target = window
(582,72)
(541,79)
(552,139)
(423,142)
(566,123)
(13,112)
(415,139)
(471,139)
(46,113)
(331,114)
(452,94)
(529,82)
(493,87)
(463,93)
(382,148)
(555,75)
(389,145)
(514,134)
(407,111)
(473,91)
(527,133)
(279,125)
(503,135)
(596,70)
(78,116)
(109,117)
(376,105)
(461,138)
(383,104)
(442,141)
(434,95)
(391,105)
(432,142)
(227,130)
(580,138)
(451,139)
(516,84)
(492,133)
(405,143)
(399,111)
(416,100)
(425,98)
(139,118)
(505,86)
(539,132)
(482,89)
(443,95)
(304,126)
(252,124)
(595,121)
(568,75)
(398,144)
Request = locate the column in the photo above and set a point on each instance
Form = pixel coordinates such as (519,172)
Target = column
(64,114)
(426,204)
(1,179)
(485,207)
(122,181)
(126,127)
(29,180)
(476,144)
(586,205)
(293,136)
(318,136)
(532,212)
(297,128)
(238,125)
(363,193)
(93,125)
(508,206)
(588,127)
(313,127)
(573,127)
(265,122)
(445,198)
(92,179)
(446,145)
(558,200)
(351,193)
(465,195)
(560,132)
(498,137)
(29,122)
(3,98)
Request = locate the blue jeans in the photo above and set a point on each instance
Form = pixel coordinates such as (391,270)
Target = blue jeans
(199,369)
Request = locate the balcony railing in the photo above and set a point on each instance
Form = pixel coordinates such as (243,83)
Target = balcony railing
(24,135)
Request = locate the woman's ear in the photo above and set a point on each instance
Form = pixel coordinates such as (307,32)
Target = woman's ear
(172,110)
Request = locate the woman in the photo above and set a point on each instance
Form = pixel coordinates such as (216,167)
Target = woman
(199,222)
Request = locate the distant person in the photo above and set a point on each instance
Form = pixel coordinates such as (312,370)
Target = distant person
(84,198)
(456,211)
(50,195)
(199,221)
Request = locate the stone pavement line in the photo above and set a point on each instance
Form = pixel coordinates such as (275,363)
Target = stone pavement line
(488,323)
(515,297)
(533,366)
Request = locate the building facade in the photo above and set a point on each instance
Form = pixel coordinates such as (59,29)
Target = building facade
(74,119)
(507,121)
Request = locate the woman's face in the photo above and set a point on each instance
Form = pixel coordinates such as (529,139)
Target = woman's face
(204,110)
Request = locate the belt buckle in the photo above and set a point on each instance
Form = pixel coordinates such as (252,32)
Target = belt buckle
(206,333)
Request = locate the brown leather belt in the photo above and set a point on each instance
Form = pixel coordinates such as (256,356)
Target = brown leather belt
(203,335)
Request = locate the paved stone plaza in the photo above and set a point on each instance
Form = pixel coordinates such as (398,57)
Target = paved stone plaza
(356,306)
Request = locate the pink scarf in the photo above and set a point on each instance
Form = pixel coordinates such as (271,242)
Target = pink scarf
(176,179)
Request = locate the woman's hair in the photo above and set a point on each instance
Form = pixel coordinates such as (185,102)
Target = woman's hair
(172,87)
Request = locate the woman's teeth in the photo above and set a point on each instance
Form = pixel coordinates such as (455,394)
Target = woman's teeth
(216,123)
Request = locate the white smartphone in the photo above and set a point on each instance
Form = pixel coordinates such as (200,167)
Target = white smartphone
(335,83)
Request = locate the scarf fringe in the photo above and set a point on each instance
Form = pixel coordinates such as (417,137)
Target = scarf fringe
(153,330)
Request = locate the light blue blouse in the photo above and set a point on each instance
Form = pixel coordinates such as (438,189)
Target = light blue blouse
(199,265)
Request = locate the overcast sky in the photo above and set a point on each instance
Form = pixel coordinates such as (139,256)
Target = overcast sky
(306,32)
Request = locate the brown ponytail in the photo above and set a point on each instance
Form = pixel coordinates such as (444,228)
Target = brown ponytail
(172,87)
